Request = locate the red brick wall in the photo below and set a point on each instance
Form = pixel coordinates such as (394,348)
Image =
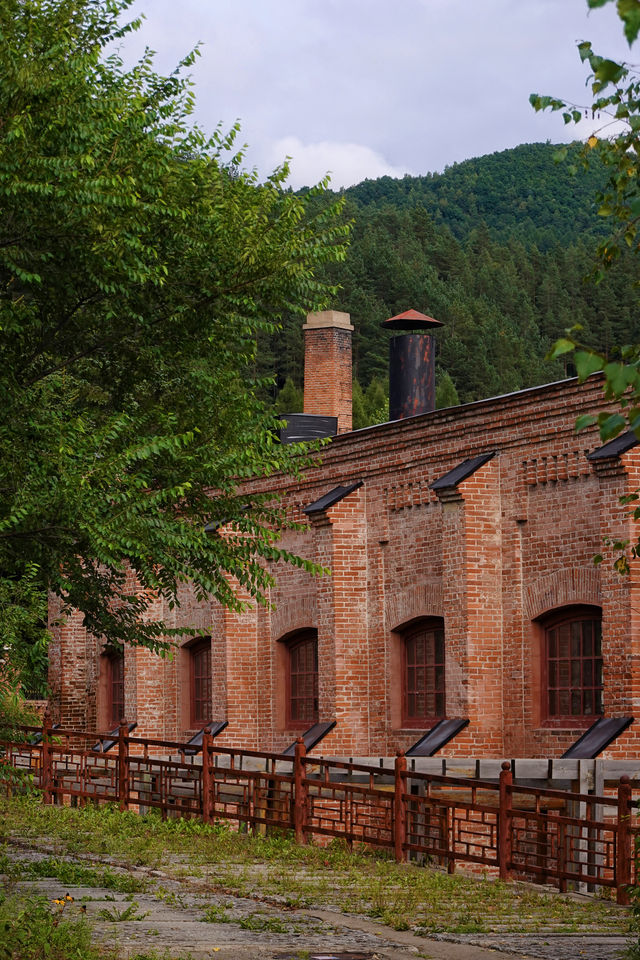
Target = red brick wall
(512,542)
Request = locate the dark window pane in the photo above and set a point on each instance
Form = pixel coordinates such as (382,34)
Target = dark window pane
(597,669)
(576,673)
(576,639)
(597,637)
(587,638)
(563,640)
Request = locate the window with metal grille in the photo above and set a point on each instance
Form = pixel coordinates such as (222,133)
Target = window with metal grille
(424,685)
(573,655)
(115,688)
(302,680)
(200,666)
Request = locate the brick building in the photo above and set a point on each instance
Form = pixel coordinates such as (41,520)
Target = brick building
(460,543)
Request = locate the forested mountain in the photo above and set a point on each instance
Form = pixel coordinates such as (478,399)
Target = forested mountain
(496,248)
(524,192)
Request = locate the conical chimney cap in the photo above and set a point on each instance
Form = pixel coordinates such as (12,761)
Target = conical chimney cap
(410,320)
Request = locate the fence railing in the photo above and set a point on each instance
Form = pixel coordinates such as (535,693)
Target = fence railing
(515,831)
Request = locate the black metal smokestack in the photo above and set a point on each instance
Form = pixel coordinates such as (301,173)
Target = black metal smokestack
(412,366)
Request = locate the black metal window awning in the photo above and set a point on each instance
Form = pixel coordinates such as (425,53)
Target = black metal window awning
(311,737)
(194,745)
(436,738)
(333,496)
(597,738)
(112,738)
(463,471)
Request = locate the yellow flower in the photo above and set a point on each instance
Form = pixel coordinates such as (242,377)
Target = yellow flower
(592,141)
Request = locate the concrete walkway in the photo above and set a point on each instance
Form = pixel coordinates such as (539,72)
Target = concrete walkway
(177,919)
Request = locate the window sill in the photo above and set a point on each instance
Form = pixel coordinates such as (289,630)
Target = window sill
(414,731)
(569,725)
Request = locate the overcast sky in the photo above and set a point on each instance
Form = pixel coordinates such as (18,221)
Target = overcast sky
(362,88)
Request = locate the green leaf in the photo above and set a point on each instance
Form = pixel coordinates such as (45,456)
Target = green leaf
(560,347)
(619,376)
(587,362)
(609,71)
(584,421)
(629,11)
(610,425)
(584,49)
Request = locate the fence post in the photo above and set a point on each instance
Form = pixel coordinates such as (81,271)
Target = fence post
(206,779)
(123,766)
(399,809)
(623,864)
(505,822)
(299,792)
(46,764)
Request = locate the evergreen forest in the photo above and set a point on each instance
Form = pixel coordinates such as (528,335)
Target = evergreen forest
(500,248)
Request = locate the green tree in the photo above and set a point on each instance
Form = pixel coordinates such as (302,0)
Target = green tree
(290,399)
(446,393)
(138,266)
(615,87)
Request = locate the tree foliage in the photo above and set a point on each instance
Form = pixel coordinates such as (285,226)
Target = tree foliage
(615,89)
(520,194)
(138,267)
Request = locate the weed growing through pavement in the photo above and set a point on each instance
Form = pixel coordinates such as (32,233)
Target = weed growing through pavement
(122,916)
(75,874)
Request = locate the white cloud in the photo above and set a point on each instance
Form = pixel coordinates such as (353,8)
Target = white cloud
(346,163)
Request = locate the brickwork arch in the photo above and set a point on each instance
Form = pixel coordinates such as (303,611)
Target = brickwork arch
(419,600)
(563,588)
(291,617)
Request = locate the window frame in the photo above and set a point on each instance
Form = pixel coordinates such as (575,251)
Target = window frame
(115,680)
(551,622)
(303,638)
(431,627)
(200,653)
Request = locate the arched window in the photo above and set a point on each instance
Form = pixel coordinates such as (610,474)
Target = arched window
(115,687)
(302,679)
(573,663)
(423,698)
(200,677)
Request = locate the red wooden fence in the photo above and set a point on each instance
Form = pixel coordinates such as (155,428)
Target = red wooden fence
(542,835)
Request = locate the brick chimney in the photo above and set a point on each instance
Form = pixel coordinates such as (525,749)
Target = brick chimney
(327,366)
